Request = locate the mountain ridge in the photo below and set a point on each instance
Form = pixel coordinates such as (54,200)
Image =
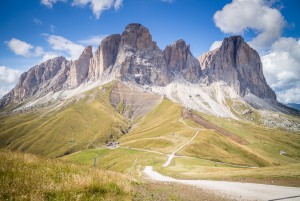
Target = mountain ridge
(227,82)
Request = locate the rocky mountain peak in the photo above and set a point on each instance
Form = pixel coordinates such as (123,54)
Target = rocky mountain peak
(238,65)
(49,76)
(105,56)
(133,56)
(137,36)
(180,60)
(80,67)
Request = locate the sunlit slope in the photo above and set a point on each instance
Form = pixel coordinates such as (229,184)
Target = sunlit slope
(87,121)
(28,177)
(211,145)
(267,143)
(123,160)
(159,130)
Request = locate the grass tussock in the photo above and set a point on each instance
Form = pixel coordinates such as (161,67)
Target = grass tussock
(28,177)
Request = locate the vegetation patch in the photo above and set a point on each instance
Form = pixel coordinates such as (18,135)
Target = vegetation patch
(28,177)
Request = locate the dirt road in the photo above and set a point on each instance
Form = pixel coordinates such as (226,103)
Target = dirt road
(234,190)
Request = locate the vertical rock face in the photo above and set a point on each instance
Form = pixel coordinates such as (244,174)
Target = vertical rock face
(80,67)
(181,61)
(48,76)
(237,64)
(133,56)
(139,58)
(105,56)
(138,37)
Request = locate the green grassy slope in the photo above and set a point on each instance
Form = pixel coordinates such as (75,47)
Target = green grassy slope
(211,145)
(122,160)
(84,123)
(159,130)
(27,177)
(263,141)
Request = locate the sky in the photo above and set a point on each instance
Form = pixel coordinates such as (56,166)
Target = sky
(32,31)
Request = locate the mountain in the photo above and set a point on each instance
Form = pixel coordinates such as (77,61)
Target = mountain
(238,65)
(51,75)
(134,57)
(60,106)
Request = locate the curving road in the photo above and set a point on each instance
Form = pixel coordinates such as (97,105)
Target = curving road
(234,190)
(172,155)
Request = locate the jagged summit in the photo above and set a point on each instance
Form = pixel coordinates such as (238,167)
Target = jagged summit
(238,65)
(133,56)
(137,36)
(80,67)
(180,60)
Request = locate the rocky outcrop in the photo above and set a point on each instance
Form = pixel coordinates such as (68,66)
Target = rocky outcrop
(181,61)
(137,36)
(238,65)
(134,57)
(132,103)
(80,68)
(39,80)
(105,56)
(139,59)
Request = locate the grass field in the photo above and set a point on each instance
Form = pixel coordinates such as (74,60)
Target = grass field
(263,141)
(160,128)
(84,123)
(122,160)
(28,177)
(211,145)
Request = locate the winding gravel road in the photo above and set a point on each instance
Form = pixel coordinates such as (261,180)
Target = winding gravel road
(234,190)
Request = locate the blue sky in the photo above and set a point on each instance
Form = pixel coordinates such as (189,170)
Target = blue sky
(35,30)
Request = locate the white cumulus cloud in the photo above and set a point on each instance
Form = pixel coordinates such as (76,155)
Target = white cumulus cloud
(19,47)
(24,49)
(49,3)
(62,45)
(8,79)
(93,40)
(282,69)
(256,15)
(98,6)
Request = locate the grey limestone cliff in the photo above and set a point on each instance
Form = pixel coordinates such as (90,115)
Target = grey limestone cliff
(134,57)
(238,65)
(48,76)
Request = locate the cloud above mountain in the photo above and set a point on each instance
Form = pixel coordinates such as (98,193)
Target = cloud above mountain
(97,6)
(8,79)
(280,55)
(241,16)
(59,46)
(24,49)
(282,69)
(64,46)
(49,3)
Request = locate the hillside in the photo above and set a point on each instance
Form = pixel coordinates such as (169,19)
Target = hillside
(210,155)
(28,177)
(63,127)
